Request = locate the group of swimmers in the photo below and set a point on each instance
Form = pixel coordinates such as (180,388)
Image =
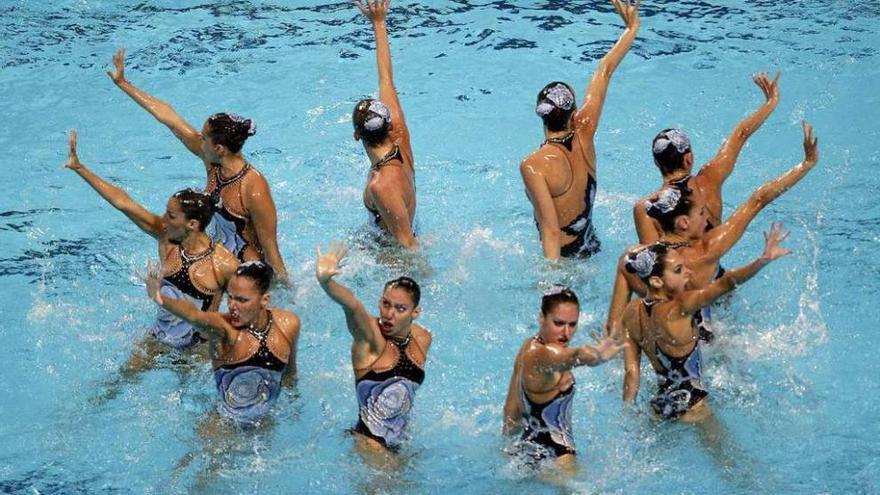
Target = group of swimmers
(223,239)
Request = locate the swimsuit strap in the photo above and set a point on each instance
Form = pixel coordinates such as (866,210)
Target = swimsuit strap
(261,335)
(563,140)
(221,182)
(391,155)
(188,261)
(566,142)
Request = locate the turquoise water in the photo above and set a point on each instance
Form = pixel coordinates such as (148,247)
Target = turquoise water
(792,377)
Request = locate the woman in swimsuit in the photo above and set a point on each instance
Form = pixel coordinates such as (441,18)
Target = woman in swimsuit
(388,353)
(245,221)
(257,345)
(662,325)
(541,391)
(560,177)
(194,268)
(673,156)
(390,193)
(683,217)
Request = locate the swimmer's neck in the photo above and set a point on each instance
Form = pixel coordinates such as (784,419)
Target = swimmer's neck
(675,176)
(379,152)
(231,164)
(548,134)
(676,238)
(195,243)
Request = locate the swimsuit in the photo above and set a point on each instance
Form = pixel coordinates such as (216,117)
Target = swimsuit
(547,427)
(385,398)
(679,381)
(250,388)
(586,242)
(226,227)
(169,329)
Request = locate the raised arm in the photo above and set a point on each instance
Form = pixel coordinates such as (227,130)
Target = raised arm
(545,210)
(209,321)
(692,301)
(146,221)
(361,324)
(392,208)
(377,11)
(587,116)
(716,170)
(720,239)
(259,203)
(162,111)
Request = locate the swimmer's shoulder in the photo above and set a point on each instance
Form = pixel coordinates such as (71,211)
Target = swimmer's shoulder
(538,162)
(288,321)
(423,336)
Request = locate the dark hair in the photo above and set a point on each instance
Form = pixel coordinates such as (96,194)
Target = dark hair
(649,261)
(558,118)
(558,295)
(409,285)
(666,216)
(195,205)
(364,111)
(230,130)
(669,159)
(261,273)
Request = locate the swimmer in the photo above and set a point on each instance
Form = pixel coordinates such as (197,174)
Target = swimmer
(675,159)
(195,269)
(541,391)
(683,219)
(390,193)
(662,325)
(387,353)
(560,177)
(245,221)
(257,345)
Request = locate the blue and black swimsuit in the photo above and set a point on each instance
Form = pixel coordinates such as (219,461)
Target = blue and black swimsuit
(385,398)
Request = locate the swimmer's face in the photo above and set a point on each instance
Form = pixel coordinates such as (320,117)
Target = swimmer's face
(174,224)
(397,310)
(210,149)
(559,325)
(675,274)
(245,301)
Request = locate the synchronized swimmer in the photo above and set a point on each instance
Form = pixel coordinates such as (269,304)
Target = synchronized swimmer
(224,240)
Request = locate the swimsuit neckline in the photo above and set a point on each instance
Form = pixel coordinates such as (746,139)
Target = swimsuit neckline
(187,258)
(563,140)
(391,155)
(264,332)
(221,182)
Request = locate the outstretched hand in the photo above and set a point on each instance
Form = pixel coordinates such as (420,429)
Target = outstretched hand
(375,10)
(328,264)
(770,88)
(72,158)
(628,11)
(608,347)
(811,145)
(772,241)
(153,280)
(118,76)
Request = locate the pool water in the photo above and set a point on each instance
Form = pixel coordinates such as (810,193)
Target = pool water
(792,375)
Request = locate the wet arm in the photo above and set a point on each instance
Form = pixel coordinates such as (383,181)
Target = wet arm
(632,363)
(358,320)
(162,111)
(140,216)
(209,321)
(545,210)
(716,171)
(720,239)
(387,91)
(262,211)
(589,113)
(620,297)
(512,406)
